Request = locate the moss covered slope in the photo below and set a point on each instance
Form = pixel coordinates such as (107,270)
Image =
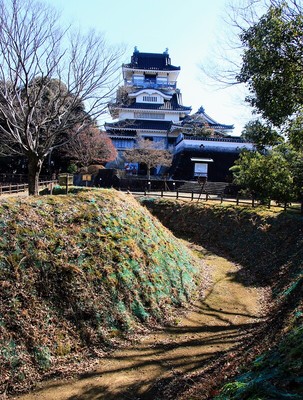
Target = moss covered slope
(269,248)
(76,273)
(276,374)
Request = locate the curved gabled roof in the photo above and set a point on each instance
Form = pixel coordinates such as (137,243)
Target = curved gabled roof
(151,91)
(200,117)
(201,112)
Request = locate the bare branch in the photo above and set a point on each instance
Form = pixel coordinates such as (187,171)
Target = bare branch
(51,79)
(90,146)
(149,153)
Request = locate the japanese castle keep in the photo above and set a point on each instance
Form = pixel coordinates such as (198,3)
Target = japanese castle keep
(149,105)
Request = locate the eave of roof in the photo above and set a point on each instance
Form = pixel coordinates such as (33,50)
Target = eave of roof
(151,68)
(201,159)
(150,106)
(212,125)
(126,137)
(139,125)
(231,139)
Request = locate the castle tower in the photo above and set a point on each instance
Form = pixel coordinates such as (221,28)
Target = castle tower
(148,103)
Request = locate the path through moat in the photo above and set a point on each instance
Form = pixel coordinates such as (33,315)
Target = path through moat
(215,324)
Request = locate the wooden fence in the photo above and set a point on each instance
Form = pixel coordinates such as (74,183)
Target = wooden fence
(238,200)
(9,188)
(192,196)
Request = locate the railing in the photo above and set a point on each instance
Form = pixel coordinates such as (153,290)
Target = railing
(194,196)
(170,190)
(13,188)
(150,84)
(9,188)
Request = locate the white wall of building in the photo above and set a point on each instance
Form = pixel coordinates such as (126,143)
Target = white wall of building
(126,114)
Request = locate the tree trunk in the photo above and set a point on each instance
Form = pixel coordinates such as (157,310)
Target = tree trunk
(34,169)
(148,171)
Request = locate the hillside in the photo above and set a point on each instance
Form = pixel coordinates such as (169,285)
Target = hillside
(268,247)
(78,275)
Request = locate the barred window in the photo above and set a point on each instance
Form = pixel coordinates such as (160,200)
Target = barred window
(150,98)
(123,144)
(146,115)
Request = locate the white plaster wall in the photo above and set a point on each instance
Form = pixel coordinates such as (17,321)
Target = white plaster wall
(124,114)
(172,117)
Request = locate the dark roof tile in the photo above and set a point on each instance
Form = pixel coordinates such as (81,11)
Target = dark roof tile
(149,106)
(139,124)
(151,61)
(201,118)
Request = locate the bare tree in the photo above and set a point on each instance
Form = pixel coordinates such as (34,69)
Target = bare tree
(149,153)
(51,81)
(90,146)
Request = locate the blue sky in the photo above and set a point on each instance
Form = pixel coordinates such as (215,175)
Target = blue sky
(190,29)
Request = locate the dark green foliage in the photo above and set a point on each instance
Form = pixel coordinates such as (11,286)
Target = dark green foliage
(295,132)
(260,134)
(276,174)
(272,62)
(79,271)
(42,356)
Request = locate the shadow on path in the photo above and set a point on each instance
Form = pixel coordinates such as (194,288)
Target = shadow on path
(226,317)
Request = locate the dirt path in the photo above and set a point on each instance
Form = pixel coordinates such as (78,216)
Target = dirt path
(215,324)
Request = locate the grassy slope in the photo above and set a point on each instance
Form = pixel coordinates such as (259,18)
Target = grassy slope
(269,248)
(77,274)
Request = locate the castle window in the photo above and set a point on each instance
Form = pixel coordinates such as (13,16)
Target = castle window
(123,144)
(150,77)
(147,115)
(152,99)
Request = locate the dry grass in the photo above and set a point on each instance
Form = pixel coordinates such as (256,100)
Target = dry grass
(80,274)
